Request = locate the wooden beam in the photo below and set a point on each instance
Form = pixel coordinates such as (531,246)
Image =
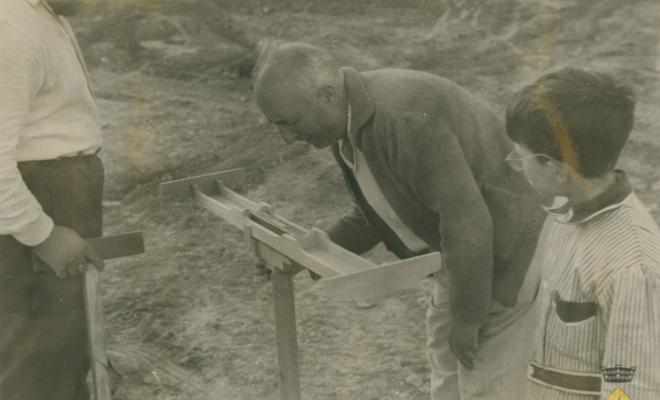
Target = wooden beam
(225,204)
(285,331)
(315,252)
(386,280)
(278,224)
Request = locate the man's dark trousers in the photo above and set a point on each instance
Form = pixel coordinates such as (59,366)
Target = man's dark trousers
(43,341)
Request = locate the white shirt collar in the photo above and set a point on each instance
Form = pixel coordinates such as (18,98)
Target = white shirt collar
(567,212)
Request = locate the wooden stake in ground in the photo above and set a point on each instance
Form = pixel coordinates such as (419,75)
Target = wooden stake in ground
(286,248)
(107,248)
(284,308)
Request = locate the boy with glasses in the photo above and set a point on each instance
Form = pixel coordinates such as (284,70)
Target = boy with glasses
(599,326)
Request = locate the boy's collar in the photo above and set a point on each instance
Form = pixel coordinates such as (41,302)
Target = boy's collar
(574,213)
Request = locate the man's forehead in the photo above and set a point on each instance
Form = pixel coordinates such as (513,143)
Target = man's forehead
(280,96)
(271,89)
(272,77)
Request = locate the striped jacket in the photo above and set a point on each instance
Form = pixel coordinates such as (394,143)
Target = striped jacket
(600,297)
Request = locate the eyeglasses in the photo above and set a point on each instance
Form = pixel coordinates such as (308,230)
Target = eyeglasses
(515,160)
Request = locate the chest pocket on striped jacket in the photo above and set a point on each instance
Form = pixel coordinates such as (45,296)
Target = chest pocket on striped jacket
(574,311)
(573,330)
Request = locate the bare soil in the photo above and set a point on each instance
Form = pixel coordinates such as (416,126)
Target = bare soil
(191,319)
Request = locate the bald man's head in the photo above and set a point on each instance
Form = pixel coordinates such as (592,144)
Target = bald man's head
(307,66)
(300,88)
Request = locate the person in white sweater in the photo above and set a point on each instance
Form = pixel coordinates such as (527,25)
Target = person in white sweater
(51,184)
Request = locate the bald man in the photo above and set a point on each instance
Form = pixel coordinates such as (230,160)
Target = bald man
(424,161)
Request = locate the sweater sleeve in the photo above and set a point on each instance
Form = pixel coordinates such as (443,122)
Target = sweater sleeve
(20,213)
(430,161)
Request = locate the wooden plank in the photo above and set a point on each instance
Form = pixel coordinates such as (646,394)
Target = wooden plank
(277,224)
(236,216)
(285,330)
(319,253)
(271,257)
(115,246)
(275,260)
(96,334)
(225,201)
(232,199)
(384,281)
(205,182)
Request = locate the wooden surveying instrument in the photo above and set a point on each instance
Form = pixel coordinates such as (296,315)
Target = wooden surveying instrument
(287,248)
(107,247)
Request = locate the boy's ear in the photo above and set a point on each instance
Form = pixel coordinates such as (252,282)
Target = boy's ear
(327,93)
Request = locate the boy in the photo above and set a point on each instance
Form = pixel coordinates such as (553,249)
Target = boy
(599,326)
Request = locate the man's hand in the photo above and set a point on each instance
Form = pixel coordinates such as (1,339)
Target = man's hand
(66,252)
(464,341)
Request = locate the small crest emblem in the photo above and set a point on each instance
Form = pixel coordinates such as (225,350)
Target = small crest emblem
(618,373)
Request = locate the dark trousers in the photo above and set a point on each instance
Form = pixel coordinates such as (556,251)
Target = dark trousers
(43,340)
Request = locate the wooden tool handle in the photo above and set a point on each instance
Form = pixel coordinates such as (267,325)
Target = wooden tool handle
(96,334)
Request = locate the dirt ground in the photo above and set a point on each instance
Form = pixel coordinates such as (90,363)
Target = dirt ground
(191,319)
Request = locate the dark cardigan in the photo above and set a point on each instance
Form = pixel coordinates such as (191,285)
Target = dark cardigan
(437,154)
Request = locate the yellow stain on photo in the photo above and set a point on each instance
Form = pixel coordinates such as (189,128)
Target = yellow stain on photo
(618,394)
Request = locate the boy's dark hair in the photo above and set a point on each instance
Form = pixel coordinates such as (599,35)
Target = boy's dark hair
(578,117)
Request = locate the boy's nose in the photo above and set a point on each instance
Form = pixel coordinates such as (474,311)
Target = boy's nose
(515,165)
